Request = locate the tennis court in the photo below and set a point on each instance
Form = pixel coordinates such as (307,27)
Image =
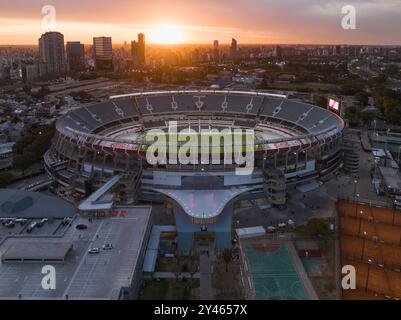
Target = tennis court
(370,241)
(273,274)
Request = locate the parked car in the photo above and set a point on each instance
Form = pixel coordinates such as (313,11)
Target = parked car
(42,222)
(81,227)
(10,224)
(31,226)
(21,221)
(66,221)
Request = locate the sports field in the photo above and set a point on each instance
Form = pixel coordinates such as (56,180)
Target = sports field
(370,241)
(380,214)
(273,274)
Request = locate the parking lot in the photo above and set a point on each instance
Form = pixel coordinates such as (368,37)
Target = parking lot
(82,275)
(22,227)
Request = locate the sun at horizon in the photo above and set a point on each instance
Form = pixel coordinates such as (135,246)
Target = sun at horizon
(165,34)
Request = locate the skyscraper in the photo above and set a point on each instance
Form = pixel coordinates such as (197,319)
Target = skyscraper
(75,56)
(216,50)
(278,52)
(103,53)
(216,44)
(141,48)
(52,54)
(233,48)
(138,51)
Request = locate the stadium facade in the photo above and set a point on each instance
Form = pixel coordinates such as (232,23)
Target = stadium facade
(292,143)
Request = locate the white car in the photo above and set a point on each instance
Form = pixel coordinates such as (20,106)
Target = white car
(93,250)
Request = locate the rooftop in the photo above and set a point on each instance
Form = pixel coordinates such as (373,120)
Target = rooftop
(44,251)
(391,177)
(81,275)
(25,204)
(204,203)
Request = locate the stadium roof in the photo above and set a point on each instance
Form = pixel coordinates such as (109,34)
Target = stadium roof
(313,123)
(198,92)
(26,204)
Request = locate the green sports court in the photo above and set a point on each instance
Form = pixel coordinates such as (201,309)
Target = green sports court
(273,274)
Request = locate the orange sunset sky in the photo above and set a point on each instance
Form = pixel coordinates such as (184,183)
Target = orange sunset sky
(190,21)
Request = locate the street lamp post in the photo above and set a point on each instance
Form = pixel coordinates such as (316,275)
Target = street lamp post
(388,194)
(363,245)
(360,222)
(393,212)
(367,276)
(355,182)
(356,205)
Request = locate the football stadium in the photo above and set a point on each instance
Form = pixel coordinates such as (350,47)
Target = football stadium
(200,150)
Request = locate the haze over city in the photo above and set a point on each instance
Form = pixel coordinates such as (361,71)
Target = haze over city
(189,22)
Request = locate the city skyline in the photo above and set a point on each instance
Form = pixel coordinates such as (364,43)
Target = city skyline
(180,22)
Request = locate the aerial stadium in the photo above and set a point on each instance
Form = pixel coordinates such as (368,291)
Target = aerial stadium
(290,143)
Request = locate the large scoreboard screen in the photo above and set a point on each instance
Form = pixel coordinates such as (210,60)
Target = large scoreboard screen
(334,105)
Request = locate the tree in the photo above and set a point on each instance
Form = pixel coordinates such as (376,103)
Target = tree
(317,227)
(320,102)
(363,98)
(264,84)
(32,146)
(44,90)
(23,161)
(27,88)
(5,179)
(227,256)
(367,117)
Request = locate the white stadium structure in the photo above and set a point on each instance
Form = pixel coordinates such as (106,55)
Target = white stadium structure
(292,143)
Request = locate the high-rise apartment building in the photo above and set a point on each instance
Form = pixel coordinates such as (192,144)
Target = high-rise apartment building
(75,56)
(233,49)
(216,50)
(52,54)
(138,51)
(103,53)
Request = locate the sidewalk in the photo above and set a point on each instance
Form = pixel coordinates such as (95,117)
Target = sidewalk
(206,290)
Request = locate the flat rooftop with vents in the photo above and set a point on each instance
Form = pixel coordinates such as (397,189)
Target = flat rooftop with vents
(109,274)
(39,252)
